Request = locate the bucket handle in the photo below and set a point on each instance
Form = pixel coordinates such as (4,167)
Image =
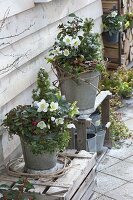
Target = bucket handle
(105,127)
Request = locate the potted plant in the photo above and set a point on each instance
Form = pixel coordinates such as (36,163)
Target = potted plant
(44,126)
(112,25)
(128,20)
(77,57)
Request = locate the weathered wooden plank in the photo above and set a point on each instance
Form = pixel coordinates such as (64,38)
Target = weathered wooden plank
(100,97)
(112,65)
(111,53)
(105,119)
(41,1)
(108,5)
(75,181)
(85,185)
(89,191)
(14,6)
(43,15)
(82,125)
(84,173)
(76,174)
(109,45)
(24,78)
(27,48)
(22,98)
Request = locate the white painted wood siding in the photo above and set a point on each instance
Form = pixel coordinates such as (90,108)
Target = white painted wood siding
(14,7)
(31,32)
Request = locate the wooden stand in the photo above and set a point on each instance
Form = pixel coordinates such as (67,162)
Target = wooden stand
(121,53)
(83,122)
(76,183)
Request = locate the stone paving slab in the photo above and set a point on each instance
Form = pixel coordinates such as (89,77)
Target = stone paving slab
(130,159)
(127,110)
(95,196)
(122,153)
(115,171)
(124,192)
(107,183)
(128,142)
(122,170)
(106,162)
(129,123)
(104,198)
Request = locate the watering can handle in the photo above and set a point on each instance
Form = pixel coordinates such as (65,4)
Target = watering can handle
(107,125)
(94,126)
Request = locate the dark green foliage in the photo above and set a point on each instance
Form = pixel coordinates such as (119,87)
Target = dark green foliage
(17,191)
(44,130)
(84,50)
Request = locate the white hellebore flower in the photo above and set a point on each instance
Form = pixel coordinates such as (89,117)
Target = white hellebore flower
(80,33)
(114,13)
(66,52)
(67,40)
(42,106)
(120,23)
(52,119)
(41,125)
(56,51)
(54,106)
(59,121)
(76,42)
(71,126)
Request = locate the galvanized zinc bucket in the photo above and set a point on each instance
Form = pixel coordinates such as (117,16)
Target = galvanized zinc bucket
(38,162)
(83,90)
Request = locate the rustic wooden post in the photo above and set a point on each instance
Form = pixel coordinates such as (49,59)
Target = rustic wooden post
(105,106)
(82,124)
(72,140)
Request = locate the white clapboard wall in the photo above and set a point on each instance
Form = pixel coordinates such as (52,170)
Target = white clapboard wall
(28,32)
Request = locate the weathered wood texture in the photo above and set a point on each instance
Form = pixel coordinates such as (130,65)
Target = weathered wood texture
(28,32)
(14,6)
(77,182)
(121,53)
(79,139)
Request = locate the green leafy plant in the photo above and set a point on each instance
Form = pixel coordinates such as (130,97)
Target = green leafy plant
(76,49)
(120,82)
(128,20)
(118,129)
(16,192)
(112,22)
(125,90)
(44,125)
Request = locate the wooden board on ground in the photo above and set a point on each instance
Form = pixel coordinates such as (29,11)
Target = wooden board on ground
(74,184)
(112,66)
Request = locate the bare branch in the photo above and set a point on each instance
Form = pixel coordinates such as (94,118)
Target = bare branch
(15,35)
(13,64)
(4,19)
(17,57)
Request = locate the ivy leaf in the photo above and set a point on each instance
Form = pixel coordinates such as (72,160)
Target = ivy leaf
(72,15)
(4,186)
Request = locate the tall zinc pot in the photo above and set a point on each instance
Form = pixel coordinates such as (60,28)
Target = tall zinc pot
(44,161)
(83,90)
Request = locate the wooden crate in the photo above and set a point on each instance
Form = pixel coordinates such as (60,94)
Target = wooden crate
(120,54)
(108,5)
(76,184)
